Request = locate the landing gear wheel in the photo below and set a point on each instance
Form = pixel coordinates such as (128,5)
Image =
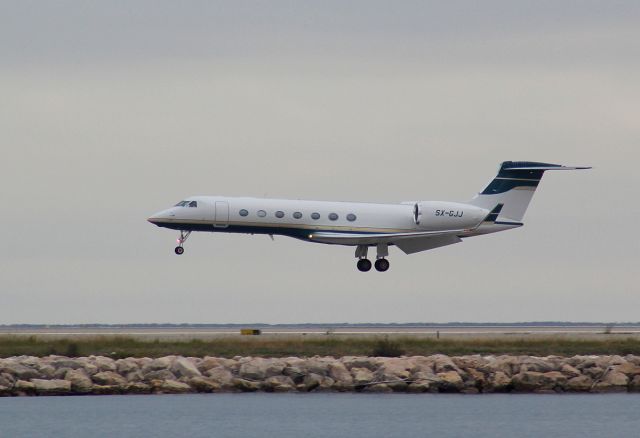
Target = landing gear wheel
(179,250)
(382,265)
(364,265)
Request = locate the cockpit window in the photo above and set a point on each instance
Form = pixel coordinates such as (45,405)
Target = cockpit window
(187,204)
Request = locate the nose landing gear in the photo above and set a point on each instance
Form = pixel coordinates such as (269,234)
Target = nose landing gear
(184,235)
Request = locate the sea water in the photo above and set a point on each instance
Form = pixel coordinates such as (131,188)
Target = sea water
(322,415)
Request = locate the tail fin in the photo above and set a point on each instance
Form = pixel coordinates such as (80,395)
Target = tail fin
(514,187)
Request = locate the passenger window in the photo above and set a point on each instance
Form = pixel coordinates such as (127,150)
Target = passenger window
(243,212)
(261,213)
(193,204)
(351,217)
(297,215)
(333,216)
(279,214)
(315,216)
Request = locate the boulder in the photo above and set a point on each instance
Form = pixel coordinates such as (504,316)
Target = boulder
(47,371)
(183,367)
(245,385)
(174,387)
(450,381)
(378,387)
(126,366)
(51,387)
(295,372)
(628,368)
(317,365)
(138,388)
(278,384)
(109,378)
(24,387)
(209,362)
(443,364)
(159,375)
(80,382)
(259,369)
(420,386)
(220,375)
(161,363)
(7,380)
(535,364)
(310,382)
(595,373)
(361,376)
(107,390)
(65,362)
(612,381)
(498,382)
(19,371)
(570,371)
(202,384)
(580,383)
(104,363)
(634,385)
(370,363)
(340,373)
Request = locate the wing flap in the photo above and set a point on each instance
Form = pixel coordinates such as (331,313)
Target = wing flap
(373,239)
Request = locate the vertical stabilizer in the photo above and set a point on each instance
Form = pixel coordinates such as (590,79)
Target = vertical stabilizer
(514,187)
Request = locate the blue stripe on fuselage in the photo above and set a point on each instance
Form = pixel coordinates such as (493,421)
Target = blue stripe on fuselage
(298,233)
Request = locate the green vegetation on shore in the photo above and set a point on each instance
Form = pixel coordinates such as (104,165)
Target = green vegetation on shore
(119,347)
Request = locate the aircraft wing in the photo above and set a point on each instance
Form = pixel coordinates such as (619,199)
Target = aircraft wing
(408,242)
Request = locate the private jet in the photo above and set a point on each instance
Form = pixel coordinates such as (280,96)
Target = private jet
(411,226)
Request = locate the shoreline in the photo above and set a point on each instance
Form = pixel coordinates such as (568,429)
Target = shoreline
(470,374)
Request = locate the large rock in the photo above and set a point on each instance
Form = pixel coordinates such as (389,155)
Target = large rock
(570,371)
(104,363)
(174,387)
(450,381)
(19,371)
(498,382)
(51,387)
(340,373)
(159,375)
(65,362)
(370,363)
(259,369)
(80,382)
(628,368)
(183,367)
(126,366)
(443,364)
(246,385)
(24,387)
(161,363)
(278,384)
(580,383)
(612,381)
(634,385)
(109,378)
(361,376)
(220,374)
(209,362)
(7,380)
(202,384)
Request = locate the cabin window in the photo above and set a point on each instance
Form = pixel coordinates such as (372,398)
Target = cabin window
(297,215)
(243,212)
(181,203)
(279,214)
(315,216)
(261,213)
(333,216)
(351,217)
(193,204)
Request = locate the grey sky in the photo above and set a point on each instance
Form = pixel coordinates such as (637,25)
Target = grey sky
(112,111)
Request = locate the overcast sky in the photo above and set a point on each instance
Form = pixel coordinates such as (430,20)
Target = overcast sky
(111,111)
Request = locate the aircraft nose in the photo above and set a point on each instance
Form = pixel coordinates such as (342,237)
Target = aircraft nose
(160,217)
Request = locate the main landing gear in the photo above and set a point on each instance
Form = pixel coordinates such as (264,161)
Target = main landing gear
(184,235)
(381,264)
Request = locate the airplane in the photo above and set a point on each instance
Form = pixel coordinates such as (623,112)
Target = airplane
(411,226)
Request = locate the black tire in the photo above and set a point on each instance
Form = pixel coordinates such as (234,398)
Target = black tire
(382,265)
(364,265)
(179,250)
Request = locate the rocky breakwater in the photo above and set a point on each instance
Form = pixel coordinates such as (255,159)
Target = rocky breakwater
(57,375)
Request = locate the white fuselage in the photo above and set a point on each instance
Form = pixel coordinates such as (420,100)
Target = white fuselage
(301,219)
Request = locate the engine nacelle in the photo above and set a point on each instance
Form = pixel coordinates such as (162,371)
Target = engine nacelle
(435,215)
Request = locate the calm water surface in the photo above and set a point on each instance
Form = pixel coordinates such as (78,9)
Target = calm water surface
(322,415)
